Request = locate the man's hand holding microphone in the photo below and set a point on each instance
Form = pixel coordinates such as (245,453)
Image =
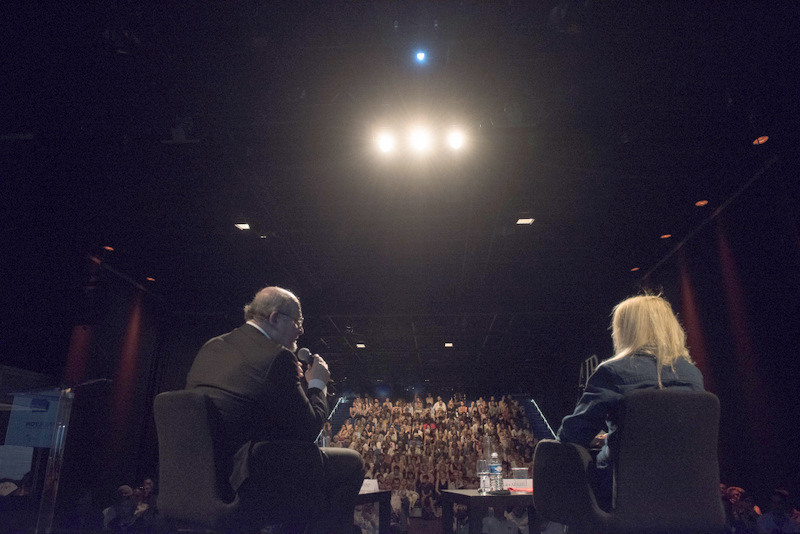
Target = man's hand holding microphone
(317,374)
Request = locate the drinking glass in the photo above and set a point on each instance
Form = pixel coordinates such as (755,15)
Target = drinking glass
(483,475)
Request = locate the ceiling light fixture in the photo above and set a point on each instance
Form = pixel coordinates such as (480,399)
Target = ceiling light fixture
(634,269)
(385,142)
(150,279)
(448,344)
(666,236)
(361,346)
(701,203)
(760,140)
(420,139)
(242,226)
(455,139)
(524,221)
(109,249)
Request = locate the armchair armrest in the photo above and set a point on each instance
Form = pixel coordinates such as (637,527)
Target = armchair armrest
(561,490)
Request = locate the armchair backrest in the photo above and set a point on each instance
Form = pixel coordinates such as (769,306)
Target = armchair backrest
(188,489)
(666,471)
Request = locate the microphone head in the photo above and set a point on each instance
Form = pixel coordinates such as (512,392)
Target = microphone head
(304,355)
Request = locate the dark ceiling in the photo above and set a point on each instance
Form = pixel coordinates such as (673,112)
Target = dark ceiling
(154,127)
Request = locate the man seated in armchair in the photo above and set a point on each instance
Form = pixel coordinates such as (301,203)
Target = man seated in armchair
(253,380)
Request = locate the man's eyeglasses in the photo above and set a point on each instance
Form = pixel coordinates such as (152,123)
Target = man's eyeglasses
(298,321)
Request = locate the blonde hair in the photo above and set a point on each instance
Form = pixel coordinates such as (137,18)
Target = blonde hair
(647,325)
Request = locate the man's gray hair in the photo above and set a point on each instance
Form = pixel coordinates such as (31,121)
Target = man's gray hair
(268,300)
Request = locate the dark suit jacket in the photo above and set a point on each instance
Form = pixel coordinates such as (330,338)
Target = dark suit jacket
(257,396)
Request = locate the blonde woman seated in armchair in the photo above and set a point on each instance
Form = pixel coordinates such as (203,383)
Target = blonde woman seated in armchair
(649,352)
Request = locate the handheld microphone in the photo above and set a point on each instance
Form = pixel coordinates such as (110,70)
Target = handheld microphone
(304,355)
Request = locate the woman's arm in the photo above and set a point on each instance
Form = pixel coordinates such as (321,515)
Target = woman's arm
(589,417)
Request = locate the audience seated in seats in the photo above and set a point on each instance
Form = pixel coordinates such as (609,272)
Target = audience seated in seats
(401,507)
(779,517)
(120,516)
(519,516)
(548,527)
(497,523)
(740,513)
(412,441)
(426,496)
(366,518)
(135,510)
(744,516)
(447,453)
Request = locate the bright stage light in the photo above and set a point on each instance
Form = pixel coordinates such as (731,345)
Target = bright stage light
(420,56)
(386,142)
(420,139)
(455,139)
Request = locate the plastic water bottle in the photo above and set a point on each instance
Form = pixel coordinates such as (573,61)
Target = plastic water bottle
(495,473)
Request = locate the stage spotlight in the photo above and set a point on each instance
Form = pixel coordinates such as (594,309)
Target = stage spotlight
(386,142)
(420,139)
(455,139)
(420,56)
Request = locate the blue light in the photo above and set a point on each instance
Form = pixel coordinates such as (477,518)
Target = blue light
(420,56)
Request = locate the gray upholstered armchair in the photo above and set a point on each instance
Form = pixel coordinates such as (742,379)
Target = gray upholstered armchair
(194,491)
(666,473)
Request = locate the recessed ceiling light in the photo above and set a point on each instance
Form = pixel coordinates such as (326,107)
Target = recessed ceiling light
(634,269)
(242,226)
(455,139)
(361,346)
(385,142)
(701,203)
(448,344)
(528,221)
(150,279)
(666,236)
(760,140)
(110,249)
(420,139)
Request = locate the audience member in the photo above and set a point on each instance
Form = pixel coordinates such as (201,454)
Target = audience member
(778,517)
(498,523)
(741,514)
(120,516)
(519,516)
